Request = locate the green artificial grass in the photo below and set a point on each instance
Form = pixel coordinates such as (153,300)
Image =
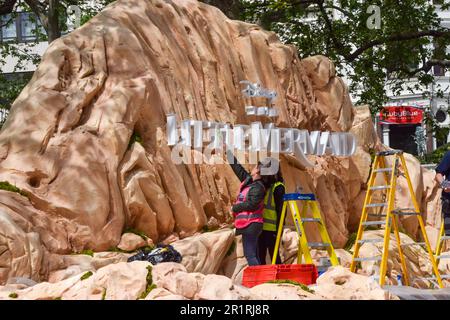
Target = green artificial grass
(136,232)
(295,283)
(5,185)
(150,284)
(86,275)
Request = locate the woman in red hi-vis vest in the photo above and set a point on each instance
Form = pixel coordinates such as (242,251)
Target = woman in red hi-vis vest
(248,209)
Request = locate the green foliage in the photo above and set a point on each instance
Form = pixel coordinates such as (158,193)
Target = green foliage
(369,57)
(135,137)
(57,298)
(24,53)
(231,249)
(437,155)
(86,275)
(350,242)
(150,284)
(11,86)
(295,283)
(137,232)
(104,294)
(87,252)
(13,295)
(5,185)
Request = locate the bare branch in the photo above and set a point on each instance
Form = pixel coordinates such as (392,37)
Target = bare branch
(7,22)
(337,44)
(397,37)
(40,10)
(426,67)
(258,4)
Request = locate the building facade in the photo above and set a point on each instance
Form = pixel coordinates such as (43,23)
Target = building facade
(401,124)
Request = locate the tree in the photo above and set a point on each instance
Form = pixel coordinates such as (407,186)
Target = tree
(409,42)
(52,15)
(50,12)
(232,8)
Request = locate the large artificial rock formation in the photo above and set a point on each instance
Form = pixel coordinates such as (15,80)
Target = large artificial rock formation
(170,281)
(85,140)
(341,284)
(69,140)
(204,253)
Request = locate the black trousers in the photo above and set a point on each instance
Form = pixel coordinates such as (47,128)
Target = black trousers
(266,242)
(250,236)
(446,215)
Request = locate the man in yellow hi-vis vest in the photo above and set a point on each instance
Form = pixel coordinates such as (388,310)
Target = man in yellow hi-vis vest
(273,205)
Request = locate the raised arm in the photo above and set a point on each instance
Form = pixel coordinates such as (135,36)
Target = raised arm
(238,169)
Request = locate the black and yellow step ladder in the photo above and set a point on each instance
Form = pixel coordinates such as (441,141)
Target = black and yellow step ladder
(388,218)
(300,218)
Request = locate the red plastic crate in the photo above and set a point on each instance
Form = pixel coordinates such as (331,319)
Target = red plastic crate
(303,273)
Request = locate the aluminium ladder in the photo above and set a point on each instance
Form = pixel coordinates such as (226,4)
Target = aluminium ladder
(388,218)
(300,218)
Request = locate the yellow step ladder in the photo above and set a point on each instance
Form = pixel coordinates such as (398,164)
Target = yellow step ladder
(439,244)
(388,218)
(300,218)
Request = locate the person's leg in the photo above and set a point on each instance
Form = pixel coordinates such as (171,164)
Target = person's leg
(262,248)
(271,239)
(250,244)
(446,215)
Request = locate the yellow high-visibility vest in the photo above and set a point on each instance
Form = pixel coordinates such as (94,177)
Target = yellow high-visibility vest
(270,212)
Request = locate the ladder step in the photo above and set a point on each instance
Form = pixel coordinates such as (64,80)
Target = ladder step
(426,278)
(374,205)
(376,215)
(383,170)
(445,256)
(373,223)
(311,220)
(376,258)
(389,153)
(413,244)
(445,238)
(375,240)
(318,244)
(380,188)
(405,213)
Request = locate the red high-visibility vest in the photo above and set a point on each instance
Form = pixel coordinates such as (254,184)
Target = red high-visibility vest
(244,218)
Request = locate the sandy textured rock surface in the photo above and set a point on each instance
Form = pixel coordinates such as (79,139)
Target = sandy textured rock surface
(282,292)
(131,242)
(204,253)
(119,75)
(116,78)
(339,283)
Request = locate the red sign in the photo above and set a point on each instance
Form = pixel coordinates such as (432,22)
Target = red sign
(401,115)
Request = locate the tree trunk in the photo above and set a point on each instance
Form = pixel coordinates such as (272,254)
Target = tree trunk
(53,30)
